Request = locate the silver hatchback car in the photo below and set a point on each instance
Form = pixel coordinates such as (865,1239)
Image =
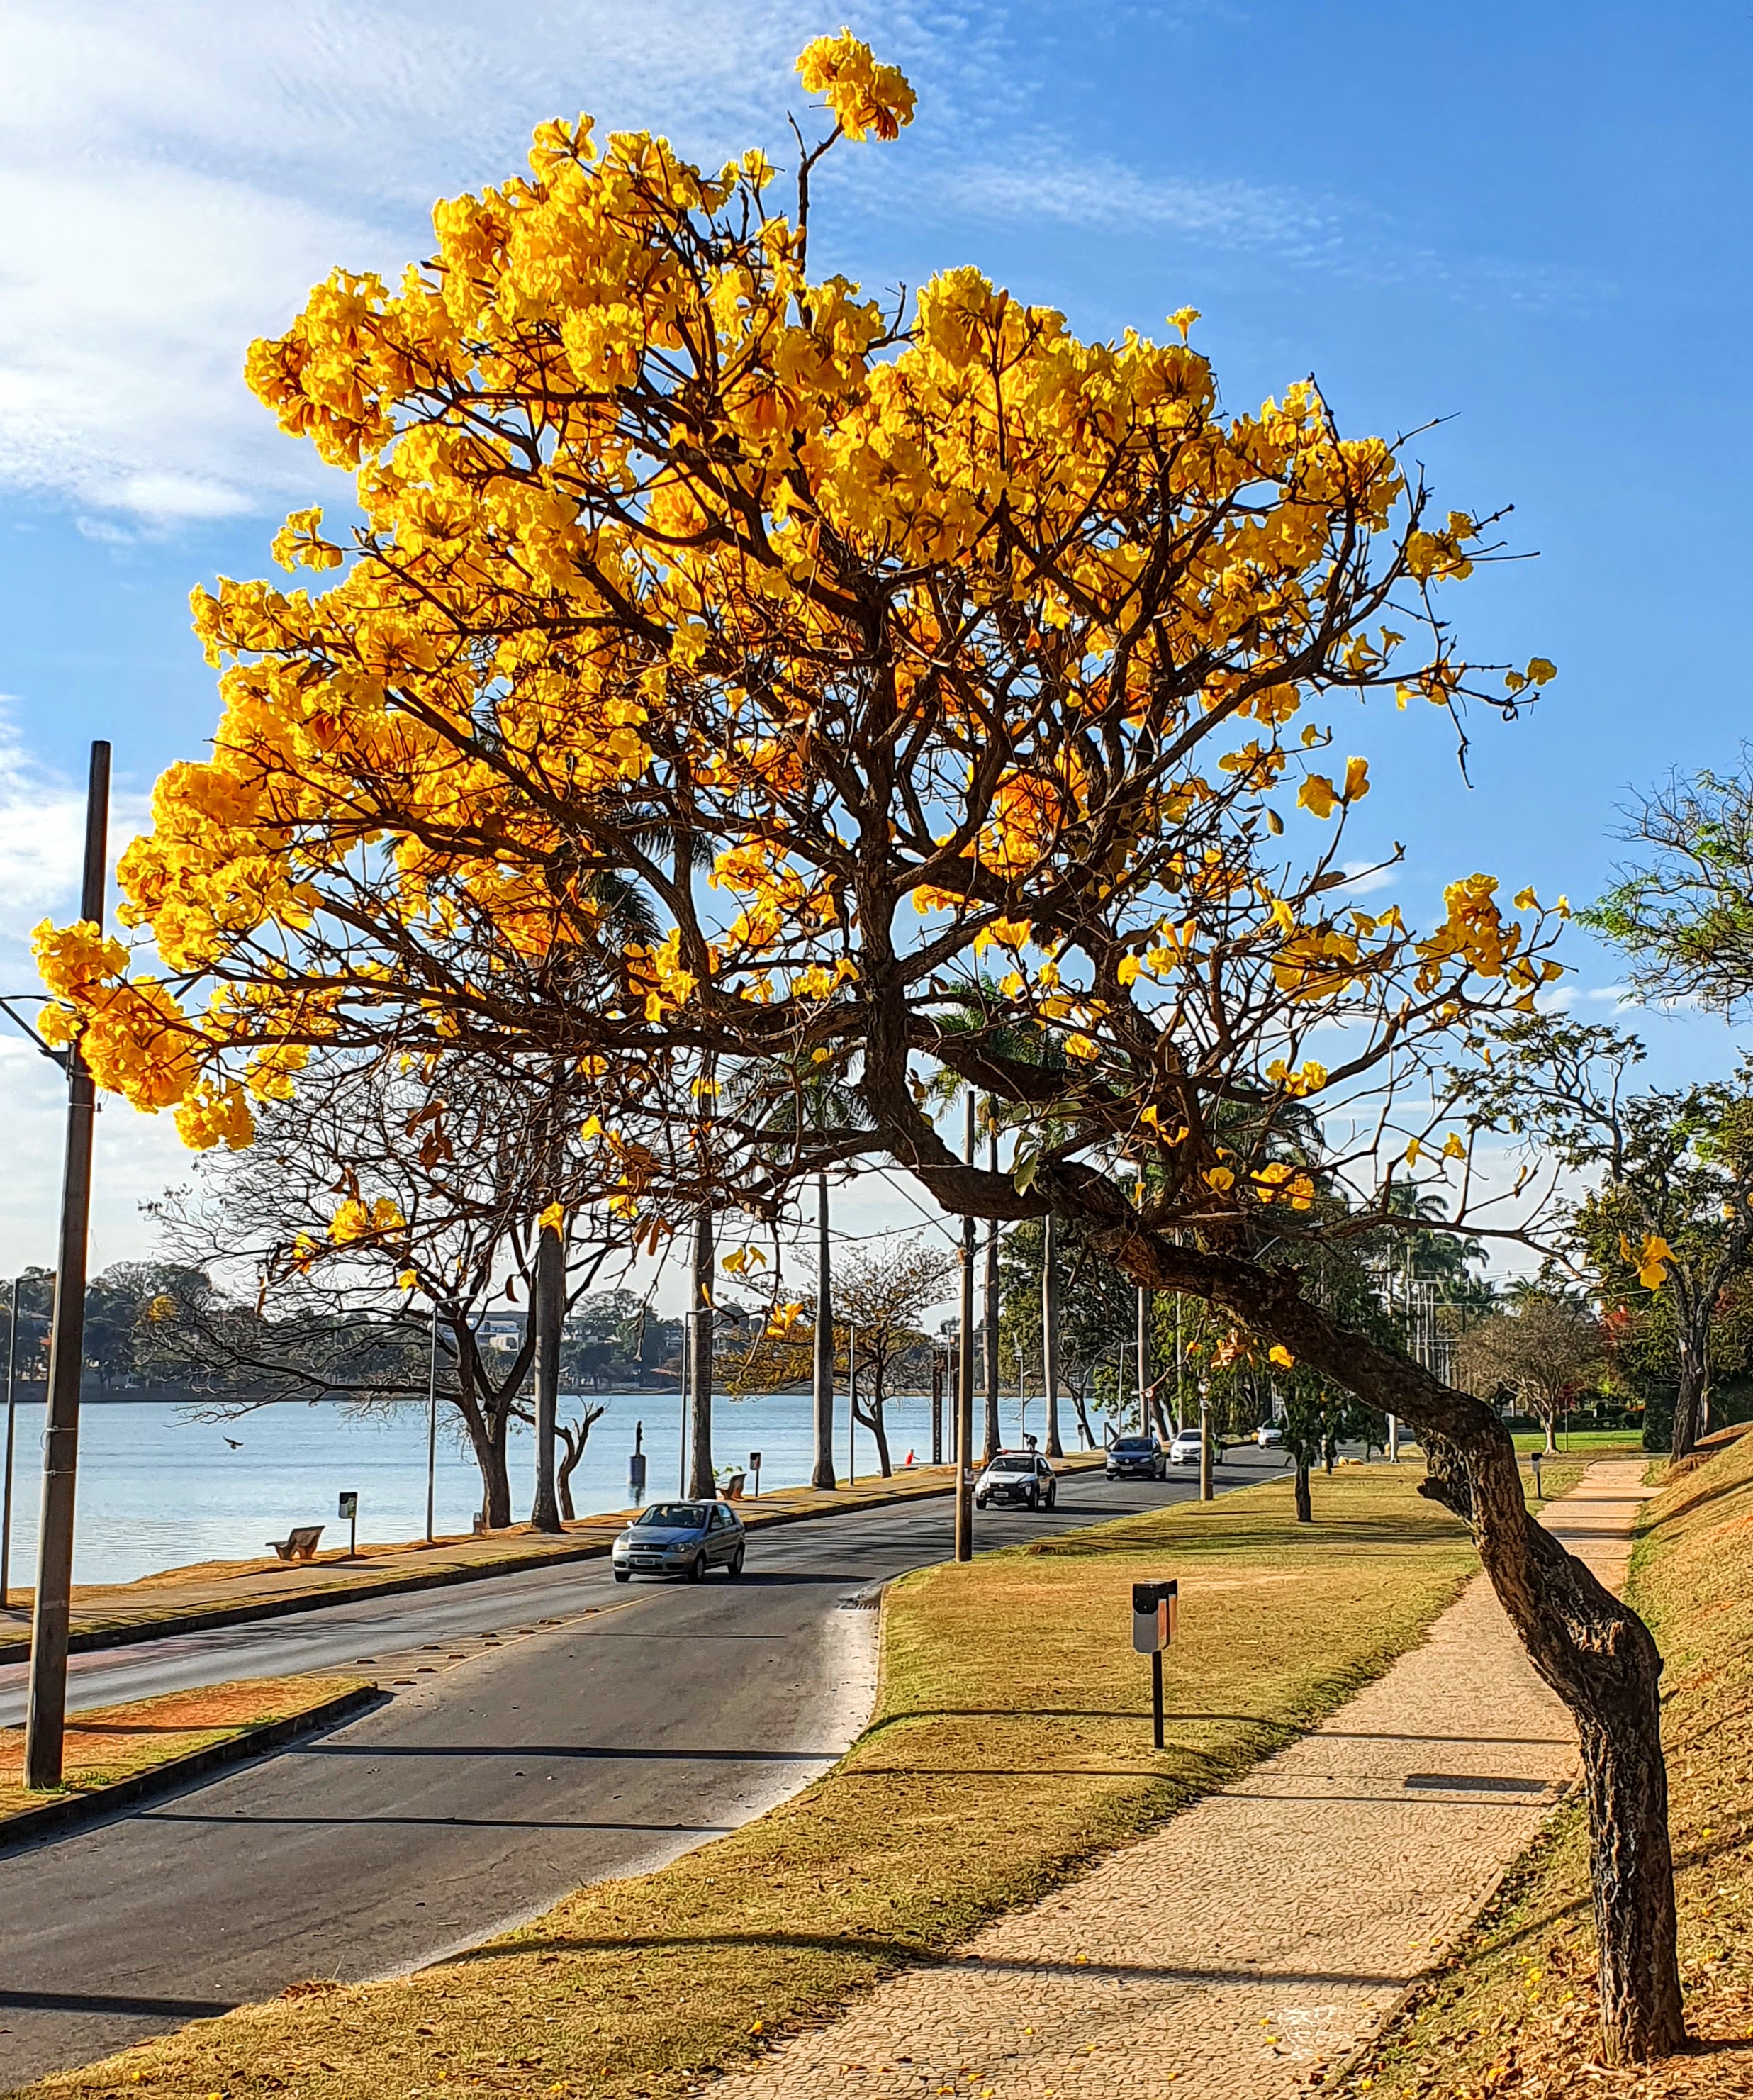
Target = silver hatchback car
(680,1538)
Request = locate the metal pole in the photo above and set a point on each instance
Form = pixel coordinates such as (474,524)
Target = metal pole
(45,1717)
(994,1436)
(1156,1696)
(965,1379)
(1180,1370)
(681,1388)
(432,1422)
(822,1356)
(851,1407)
(11,1420)
(703,1481)
(1144,1314)
(1204,1443)
(1049,1334)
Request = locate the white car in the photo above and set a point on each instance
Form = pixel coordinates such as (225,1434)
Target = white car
(1017,1477)
(1184,1451)
(1270,1437)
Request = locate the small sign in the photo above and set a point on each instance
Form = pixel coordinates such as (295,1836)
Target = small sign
(1153,1616)
(350,1503)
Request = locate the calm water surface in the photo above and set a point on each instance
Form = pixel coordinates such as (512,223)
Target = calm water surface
(158,1489)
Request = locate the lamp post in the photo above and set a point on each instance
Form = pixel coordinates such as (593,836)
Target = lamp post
(46,1714)
(1205,1441)
(11,1424)
(964,1542)
(432,1422)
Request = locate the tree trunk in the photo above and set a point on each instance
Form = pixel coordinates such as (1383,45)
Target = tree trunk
(547,1308)
(1305,1501)
(1592,1648)
(487,1441)
(1084,1430)
(871,1417)
(1689,1405)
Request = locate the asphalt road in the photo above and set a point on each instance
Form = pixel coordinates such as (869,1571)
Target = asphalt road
(550,1730)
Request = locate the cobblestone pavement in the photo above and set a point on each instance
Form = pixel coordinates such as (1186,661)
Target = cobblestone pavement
(1269,1927)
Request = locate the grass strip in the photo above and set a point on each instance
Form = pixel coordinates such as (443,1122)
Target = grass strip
(1010,1746)
(1514,2010)
(109,1744)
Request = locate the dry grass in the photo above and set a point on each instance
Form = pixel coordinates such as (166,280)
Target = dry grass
(1515,2011)
(114,1743)
(1010,1746)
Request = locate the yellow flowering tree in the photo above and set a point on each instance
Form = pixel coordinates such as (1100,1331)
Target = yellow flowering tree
(729,674)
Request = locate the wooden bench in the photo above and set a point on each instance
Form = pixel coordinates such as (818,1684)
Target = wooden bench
(732,1490)
(301,1545)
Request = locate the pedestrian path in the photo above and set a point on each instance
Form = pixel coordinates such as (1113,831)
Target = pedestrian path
(1268,1929)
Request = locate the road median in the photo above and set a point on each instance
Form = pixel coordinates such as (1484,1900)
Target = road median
(114,1756)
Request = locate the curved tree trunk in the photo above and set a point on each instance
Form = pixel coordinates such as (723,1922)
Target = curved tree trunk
(1305,1501)
(870,1418)
(1084,1430)
(1590,1648)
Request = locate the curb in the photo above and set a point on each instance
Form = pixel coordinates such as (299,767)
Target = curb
(30,1824)
(131,1632)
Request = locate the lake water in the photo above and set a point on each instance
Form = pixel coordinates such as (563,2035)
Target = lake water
(158,1489)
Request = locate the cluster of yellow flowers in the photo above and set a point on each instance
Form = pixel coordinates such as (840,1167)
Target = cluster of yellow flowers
(683,576)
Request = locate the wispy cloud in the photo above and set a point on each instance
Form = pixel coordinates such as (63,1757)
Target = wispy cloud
(1104,194)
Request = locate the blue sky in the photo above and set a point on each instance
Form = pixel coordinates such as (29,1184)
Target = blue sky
(1531,220)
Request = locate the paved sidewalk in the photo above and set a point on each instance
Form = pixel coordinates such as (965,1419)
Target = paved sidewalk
(221,1593)
(1269,1928)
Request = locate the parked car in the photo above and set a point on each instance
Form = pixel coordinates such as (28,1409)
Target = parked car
(1134,1458)
(680,1538)
(1017,1477)
(1184,1451)
(1270,1437)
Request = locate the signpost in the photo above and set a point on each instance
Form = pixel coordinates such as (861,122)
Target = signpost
(1154,1607)
(350,1509)
(755,1467)
(636,1465)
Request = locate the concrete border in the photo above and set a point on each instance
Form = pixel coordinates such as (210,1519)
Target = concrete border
(89,1803)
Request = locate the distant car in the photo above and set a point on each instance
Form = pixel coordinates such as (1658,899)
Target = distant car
(680,1538)
(1269,1436)
(1134,1458)
(1184,1451)
(1017,1477)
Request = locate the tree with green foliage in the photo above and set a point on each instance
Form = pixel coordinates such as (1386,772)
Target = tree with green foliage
(1672,1209)
(1542,1351)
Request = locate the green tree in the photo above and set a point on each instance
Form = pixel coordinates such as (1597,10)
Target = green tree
(1671,1210)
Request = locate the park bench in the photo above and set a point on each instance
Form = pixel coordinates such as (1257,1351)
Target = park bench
(301,1545)
(732,1487)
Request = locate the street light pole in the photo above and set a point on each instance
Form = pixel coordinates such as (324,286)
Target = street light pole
(1204,1442)
(432,1422)
(965,1378)
(11,1422)
(45,1711)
